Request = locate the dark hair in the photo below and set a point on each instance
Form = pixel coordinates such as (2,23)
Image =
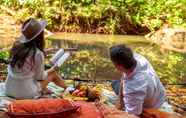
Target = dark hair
(20,51)
(122,55)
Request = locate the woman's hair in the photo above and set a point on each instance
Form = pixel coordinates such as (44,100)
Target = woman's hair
(20,51)
(122,55)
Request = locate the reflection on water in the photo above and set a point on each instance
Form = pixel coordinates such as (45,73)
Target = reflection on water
(98,37)
(97,43)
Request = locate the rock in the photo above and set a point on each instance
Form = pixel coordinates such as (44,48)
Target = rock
(169,38)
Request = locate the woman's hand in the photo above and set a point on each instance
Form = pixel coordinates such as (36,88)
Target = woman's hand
(53,76)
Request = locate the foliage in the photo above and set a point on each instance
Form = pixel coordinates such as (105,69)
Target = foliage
(154,13)
(10,3)
(102,16)
(4,55)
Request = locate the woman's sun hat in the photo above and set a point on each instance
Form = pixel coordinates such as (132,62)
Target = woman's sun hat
(31,29)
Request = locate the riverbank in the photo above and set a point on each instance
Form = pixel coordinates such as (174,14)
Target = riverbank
(100,16)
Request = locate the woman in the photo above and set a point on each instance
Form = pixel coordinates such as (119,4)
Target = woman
(27,78)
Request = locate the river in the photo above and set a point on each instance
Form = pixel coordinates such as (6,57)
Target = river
(170,66)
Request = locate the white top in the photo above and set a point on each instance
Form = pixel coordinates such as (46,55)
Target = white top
(22,83)
(142,88)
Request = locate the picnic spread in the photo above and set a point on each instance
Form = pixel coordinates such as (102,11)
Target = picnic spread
(81,99)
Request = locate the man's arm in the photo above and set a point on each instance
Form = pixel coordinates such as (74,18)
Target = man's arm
(120,104)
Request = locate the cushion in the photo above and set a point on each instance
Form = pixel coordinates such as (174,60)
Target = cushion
(41,108)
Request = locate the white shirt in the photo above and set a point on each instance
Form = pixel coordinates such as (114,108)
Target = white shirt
(22,83)
(142,88)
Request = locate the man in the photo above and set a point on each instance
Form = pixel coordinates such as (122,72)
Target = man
(141,87)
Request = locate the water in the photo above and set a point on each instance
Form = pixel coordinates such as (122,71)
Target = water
(99,43)
(96,43)
(93,43)
(99,38)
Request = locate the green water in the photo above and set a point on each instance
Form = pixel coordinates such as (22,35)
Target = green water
(98,38)
(97,42)
(170,66)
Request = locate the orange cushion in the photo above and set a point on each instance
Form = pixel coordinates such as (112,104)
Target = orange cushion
(41,108)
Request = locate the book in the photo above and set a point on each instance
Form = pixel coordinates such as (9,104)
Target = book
(56,56)
(59,58)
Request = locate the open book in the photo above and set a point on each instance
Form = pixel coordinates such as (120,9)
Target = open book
(59,58)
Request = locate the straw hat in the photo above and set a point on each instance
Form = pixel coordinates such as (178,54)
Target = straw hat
(31,29)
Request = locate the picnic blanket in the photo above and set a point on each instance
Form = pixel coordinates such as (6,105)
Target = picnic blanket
(56,90)
(89,110)
(4,99)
